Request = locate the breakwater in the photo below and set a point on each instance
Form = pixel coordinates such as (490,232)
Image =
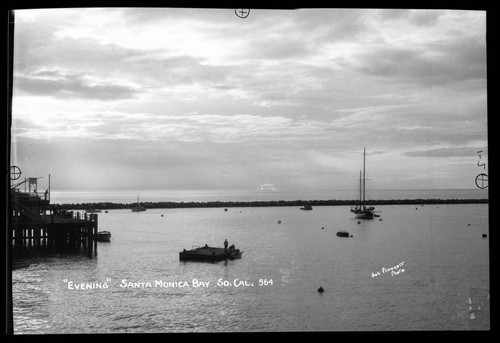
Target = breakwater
(275,203)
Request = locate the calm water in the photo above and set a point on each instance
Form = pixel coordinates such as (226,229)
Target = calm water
(443,280)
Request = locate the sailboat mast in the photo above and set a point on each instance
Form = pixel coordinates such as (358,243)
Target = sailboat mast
(364,181)
(360,187)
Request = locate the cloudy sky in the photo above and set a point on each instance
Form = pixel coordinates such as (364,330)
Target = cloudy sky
(181,98)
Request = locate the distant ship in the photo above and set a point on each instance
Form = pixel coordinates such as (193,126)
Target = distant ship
(138,207)
(362,211)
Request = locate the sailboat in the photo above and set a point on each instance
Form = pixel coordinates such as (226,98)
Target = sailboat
(361,211)
(138,207)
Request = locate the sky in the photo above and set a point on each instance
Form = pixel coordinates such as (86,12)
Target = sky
(188,99)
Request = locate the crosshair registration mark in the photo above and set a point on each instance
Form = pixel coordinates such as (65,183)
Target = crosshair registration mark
(242,12)
(482,181)
(15,172)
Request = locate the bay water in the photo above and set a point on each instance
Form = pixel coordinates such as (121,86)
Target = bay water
(412,268)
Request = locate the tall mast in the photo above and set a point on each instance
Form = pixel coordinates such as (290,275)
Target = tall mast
(364,182)
(360,187)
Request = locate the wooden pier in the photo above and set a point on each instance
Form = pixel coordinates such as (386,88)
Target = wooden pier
(34,224)
(69,234)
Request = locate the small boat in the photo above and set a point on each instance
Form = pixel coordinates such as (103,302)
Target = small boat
(103,236)
(343,233)
(307,207)
(138,207)
(93,210)
(207,253)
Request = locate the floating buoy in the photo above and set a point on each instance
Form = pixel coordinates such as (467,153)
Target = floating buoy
(322,228)
(380,220)
(105,211)
(320,289)
(359,222)
(484,235)
(279,221)
(468,224)
(351,236)
(225,210)
(162,215)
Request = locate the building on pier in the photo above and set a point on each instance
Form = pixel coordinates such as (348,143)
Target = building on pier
(34,223)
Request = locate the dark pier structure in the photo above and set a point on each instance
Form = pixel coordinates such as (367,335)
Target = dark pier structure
(36,225)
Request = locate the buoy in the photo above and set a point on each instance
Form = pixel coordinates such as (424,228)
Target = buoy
(351,236)
(468,224)
(225,209)
(359,222)
(380,220)
(484,235)
(322,228)
(279,221)
(321,290)
(162,215)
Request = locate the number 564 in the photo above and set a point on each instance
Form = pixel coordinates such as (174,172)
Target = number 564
(265,282)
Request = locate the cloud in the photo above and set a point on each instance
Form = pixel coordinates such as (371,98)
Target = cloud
(57,84)
(437,64)
(206,98)
(416,17)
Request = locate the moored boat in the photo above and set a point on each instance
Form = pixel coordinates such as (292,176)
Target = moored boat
(307,207)
(361,211)
(93,210)
(103,236)
(343,233)
(138,207)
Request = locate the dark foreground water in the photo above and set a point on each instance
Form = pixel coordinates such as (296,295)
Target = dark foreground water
(419,268)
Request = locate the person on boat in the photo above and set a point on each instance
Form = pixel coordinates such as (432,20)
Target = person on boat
(225,245)
(231,248)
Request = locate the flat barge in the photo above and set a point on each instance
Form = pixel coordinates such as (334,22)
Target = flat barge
(207,253)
